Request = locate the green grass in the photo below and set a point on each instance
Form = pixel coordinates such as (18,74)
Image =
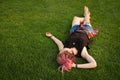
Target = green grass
(26,54)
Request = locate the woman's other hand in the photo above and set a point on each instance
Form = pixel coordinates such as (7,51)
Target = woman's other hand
(48,34)
(73,65)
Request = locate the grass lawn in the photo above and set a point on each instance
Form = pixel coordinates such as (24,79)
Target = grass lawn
(27,54)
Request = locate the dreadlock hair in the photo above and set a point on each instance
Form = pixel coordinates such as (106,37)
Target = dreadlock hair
(65,60)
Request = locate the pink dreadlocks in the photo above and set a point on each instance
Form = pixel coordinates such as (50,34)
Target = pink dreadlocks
(65,60)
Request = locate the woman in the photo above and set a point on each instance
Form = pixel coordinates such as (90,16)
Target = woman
(76,44)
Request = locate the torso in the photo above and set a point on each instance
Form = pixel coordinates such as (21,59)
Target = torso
(76,41)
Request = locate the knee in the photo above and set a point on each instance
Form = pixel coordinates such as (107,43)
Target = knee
(76,17)
(81,19)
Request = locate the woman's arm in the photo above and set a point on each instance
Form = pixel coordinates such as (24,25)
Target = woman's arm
(57,41)
(91,61)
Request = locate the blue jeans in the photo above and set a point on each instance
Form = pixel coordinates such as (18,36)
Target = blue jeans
(86,26)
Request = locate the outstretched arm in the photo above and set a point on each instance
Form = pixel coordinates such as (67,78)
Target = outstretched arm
(57,41)
(91,61)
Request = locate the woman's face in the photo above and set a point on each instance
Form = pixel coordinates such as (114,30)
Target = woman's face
(69,50)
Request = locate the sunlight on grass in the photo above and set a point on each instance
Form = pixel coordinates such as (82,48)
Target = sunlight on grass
(27,54)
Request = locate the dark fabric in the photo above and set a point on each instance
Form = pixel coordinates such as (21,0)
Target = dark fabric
(77,39)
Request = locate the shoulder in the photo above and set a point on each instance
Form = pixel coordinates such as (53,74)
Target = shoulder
(84,52)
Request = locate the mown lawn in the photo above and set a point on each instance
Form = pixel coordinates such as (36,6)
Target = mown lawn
(26,54)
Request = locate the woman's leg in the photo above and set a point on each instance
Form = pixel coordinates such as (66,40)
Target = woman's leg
(77,20)
(87,23)
(86,19)
(75,23)
(87,16)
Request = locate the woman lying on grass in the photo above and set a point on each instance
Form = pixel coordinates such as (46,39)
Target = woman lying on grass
(76,44)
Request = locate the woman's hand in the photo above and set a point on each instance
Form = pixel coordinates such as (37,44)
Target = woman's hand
(48,34)
(73,65)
